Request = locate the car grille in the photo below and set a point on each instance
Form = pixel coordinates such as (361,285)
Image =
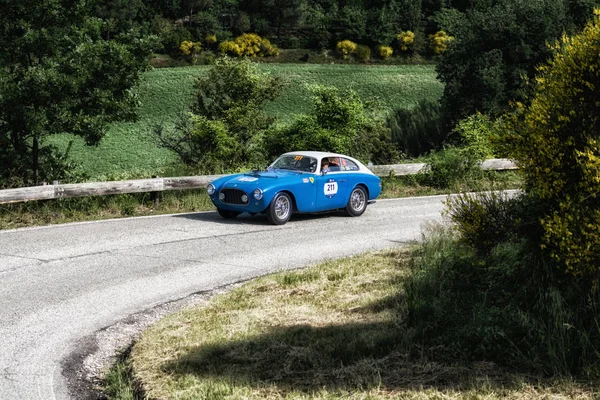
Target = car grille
(233,196)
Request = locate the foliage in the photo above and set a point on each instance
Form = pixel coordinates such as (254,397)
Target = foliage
(406,41)
(339,122)
(418,130)
(230,48)
(556,143)
(384,52)
(210,39)
(59,75)
(346,47)
(505,305)
(363,53)
(438,42)
(475,133)
(164,93)
(249,45)
(226,120)
(188,47)
(494,49)
(451,167)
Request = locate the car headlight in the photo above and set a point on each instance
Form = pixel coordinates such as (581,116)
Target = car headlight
(244,198)
(258,194)
(221,196)
(210,189)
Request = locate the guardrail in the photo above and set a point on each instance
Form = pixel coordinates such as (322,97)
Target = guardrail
(59,191)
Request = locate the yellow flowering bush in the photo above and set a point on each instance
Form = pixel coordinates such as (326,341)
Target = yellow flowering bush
(188,47)
(231,48)
(249,45)
(384,51)
(438,43)
(557,145)
(210,39)
(406,40)
(346,47)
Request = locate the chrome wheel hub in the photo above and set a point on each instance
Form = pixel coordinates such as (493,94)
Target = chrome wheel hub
(282,207)
(357,200)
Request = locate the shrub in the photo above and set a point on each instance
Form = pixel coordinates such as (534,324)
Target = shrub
(474,133)
(450,167)
(249,45)
(418,130)
(438,42)
(363,53)
(188,47)
(384,52)
(346,47)
(406,41)
(230,48)
(556,142)
(210,39)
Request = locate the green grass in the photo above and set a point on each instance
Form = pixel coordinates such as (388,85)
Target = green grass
(130,150)
(334,330)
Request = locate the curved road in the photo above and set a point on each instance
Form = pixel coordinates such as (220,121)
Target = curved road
(61,283)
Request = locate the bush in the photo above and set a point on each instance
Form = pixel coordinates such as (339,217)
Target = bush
(556,142)
(338,122)
(438,43)
(384,52)
(249,45)
(505,305)
(406,41)
(475,134)
(363,53)
(230,48)
(418,130)
(346,47)
(450,167)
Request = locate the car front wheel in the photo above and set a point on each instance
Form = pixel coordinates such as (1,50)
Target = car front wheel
(228,214)
(357,203)
(280,209)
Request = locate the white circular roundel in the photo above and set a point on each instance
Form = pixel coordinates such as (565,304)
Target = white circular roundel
(330,188)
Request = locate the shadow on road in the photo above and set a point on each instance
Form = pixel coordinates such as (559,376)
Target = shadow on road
(258,219)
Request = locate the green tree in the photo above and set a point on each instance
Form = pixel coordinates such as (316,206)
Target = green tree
(557,145)
(340,122)
(495,48)
(227,109)
(57,75)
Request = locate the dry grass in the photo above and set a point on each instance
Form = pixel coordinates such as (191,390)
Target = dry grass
(327,332)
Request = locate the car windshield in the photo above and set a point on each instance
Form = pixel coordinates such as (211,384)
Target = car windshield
(295,162)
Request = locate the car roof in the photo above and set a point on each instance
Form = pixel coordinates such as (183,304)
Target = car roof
(316,154)
(320,154)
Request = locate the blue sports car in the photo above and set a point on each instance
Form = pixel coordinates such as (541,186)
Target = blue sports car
(301,181)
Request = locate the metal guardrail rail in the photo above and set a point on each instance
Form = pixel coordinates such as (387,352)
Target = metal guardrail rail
(59,191)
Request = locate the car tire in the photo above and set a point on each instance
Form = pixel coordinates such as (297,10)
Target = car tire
(228,214)
(357,203)
(280,209)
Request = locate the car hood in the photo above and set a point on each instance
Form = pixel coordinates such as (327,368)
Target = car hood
(262,179)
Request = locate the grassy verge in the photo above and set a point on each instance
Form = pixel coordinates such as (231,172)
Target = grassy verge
(119,206)
(335,330)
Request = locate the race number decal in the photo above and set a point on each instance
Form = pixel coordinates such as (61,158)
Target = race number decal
(330,189)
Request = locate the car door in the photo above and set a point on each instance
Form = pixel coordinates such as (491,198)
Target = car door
(332,189)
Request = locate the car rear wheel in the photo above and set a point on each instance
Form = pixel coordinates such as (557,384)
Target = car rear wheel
(280,209)
(357,203)
(228,214)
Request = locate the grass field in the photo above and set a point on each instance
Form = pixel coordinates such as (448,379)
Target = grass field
(129,150)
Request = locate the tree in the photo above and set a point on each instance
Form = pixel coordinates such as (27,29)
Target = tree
(57,75)
(227,110)
(340,122)
(494,50)
(557,145)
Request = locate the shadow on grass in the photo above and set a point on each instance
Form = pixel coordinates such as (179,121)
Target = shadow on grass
(337,358)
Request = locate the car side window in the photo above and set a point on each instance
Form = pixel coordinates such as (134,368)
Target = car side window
(348,165)
(334,164)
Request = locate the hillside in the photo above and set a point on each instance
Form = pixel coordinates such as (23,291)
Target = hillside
(129,149)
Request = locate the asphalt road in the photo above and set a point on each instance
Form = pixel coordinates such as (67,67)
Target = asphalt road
(61,283)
